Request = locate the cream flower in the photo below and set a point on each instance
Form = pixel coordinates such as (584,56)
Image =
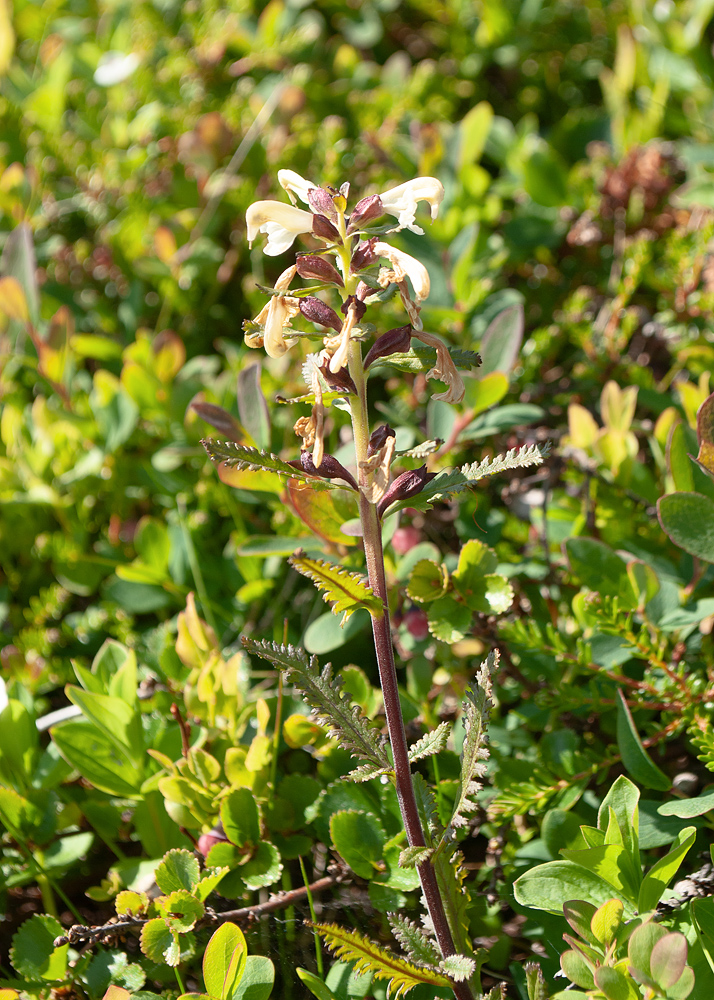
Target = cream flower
(294,184)
(402,200)
(276,315)
(374,471)
(281,222)
(444,370)
(406,266)
(341,343)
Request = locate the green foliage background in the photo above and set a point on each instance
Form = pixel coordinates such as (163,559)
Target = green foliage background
(574,143)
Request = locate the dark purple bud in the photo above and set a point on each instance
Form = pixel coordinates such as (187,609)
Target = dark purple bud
(322,227)
(318,311)
(364,256)
(396,341)
(340,381)
(329,468)
(359,307)
(314,267)
(363,291)
(219,418)
(379,437)
(405,486)
(365,211)
(321,203)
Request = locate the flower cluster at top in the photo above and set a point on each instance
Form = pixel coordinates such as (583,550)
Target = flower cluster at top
(357,261)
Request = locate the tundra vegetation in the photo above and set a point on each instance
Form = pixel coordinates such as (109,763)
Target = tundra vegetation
(356,605)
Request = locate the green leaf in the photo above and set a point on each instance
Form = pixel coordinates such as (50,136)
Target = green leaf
(639,948)
(577,968)
(431,743)
(252,408)
(535,982)
(159,943)
(663,871)
(19,743)
(502,341)
(98,758)
(615,984)
(668,959)
(113,967)
(17,813)
(224,961)
(413,940)
(448,484)
(688,519)
(264,867)
(547,887)
(178,870)
(33,953)
(579,915)
(257,980)
(448,620)
(680,466)
(118,721)
(705,433)
(315,985)
(482,393)
(606,921)
(181,910)
(613,863)
(352,946)
(477,707)
(703,918)
(346,591)
(458,967)
(131,903)
(688,808)
(623,798)
(241,457)
(634,756)
(240,817)
(597,567)
(324,693)
(427,582)
(208,883)
(477,582)
(359,838)
(421,358)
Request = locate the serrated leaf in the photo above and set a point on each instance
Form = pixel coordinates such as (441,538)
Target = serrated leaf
(430,743)
(420,450)
(413,940)
(422,358)
(324,693)
(240,817)
(458,967)
(242,457)
(428,581)
(448,620)
(351,946)
(264,867)
(33,953)
(178,870)
(476,708)
(159,943)
(208,883)
(129,903)
(344,590)
(448,484)
(181,910)
(412,857)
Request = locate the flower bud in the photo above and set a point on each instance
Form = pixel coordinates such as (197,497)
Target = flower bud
(329,468)
(318,311)
(316,268)
(365,211)
(340,381)
(208,840)
(397,341)
(364,256)
(404,486)
(321,203)
(358,308)
(379,437)
(322,227)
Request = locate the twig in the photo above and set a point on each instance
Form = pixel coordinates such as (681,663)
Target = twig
(185,729)
(79,933)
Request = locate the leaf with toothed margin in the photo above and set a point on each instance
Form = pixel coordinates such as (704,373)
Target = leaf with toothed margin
(325,695)
(430,743)
(413,940)
(347,592)
(242,457)
(421,359)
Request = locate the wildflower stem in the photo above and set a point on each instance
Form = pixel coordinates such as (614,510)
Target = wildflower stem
(381,627)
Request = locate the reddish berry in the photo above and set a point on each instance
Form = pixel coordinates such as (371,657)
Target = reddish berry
(417,624)
(404,539)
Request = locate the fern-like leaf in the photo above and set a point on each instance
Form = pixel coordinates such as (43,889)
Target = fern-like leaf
(448,484)
(414,940)
(412,857)
(347,592)
(477,706)
(324,694)
(351,946)
(428,812)
(241,456)
(420,450)
(421,358)
(430,743)
(450,876)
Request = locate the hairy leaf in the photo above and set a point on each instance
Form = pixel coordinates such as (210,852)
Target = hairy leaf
(458,967)
(351,946)
(477,706)
(414,940)
(324,693)
(241,456)
(411,857)
(430,743)
(421,358)
(346,591)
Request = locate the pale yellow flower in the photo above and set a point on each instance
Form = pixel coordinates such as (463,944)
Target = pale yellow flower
(281,222)
(444,370)
(402,200)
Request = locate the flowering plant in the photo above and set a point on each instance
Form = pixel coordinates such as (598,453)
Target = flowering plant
(354,260)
